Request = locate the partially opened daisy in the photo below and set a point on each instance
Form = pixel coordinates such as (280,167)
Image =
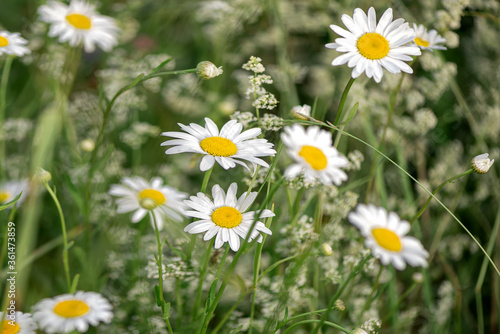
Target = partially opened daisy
(225,218)
(141,196)
(13,44)
(385,233)
(69,312)
(369,45)
(228,147)
(314,155)
(78,24)
(428,40)
(18,323)
(10,189)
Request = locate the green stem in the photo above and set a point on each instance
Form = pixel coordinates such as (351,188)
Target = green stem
(203,272)
(375,287)
(482,274)
(178,299)
(352,274)
(225,281)
(160,254)
(230,312)
(421,211)
(256,268)
(3,103)
(65,237)
(342,101)
(392,104)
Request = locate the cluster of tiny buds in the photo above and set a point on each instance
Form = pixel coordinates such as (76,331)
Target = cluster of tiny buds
(254,65)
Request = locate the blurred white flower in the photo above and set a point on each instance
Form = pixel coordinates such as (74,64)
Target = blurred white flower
(13,44)
(385,234)
(78,24)
(70,312)
(428,40)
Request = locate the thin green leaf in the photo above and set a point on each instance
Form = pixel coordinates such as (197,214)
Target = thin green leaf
(74,283)
(14,201)
(353,112)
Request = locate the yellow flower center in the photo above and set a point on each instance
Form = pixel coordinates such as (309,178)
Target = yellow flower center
(227,217)
(373,46)
(218,146)
(387,239)
(3,41)
(8,328)
(71,308)
(151,198)
(79,21)
(314,157)
(4,196)
(421,42)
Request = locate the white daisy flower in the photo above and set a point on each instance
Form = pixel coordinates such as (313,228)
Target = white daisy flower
(79,23)
(225,217)
(10,189)
(142,197)
(428,40)
(69,312)
(13,44)
(385,234)
(314,155)
(18,323)
(481,163)
(370,46)
(228,147)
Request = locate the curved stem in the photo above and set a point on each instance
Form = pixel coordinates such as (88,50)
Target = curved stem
(419,213)
(65,236)
(369,299)
(331,126)
(3,95)
(342,101)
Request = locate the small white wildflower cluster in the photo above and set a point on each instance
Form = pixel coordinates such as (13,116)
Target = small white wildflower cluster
(262,98)
(254,65)
(245,118)
(372,326)
(355,159)
(299,182)
(340,206)
(271,122)
(297,238)
(138,134)
(16,129)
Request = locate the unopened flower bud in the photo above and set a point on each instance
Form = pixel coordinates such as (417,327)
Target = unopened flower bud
(339,305)
(418,278)
(326,249)
(87,145)
(301,112)
(481,163)
(207,70)
(42,176)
